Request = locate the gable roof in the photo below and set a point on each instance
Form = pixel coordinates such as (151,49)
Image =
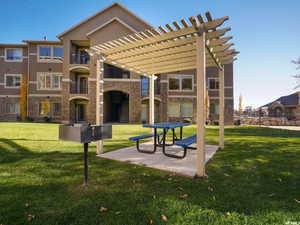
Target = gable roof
(99,12)
(292,99)
(110,21)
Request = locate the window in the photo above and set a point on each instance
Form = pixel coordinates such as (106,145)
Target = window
(56,108)
(45,52)
(13,108)
(181,82)
(174,83)
(44,108)
(180,110)
(187,84)
(56,81)
(186,109)
(48,81)
(50,53)
(214,108)
(13,55)
(57,52)
(12,80)
(174,110)
(144,86)
(213,83)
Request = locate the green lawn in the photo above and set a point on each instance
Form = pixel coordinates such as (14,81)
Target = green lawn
(254,180)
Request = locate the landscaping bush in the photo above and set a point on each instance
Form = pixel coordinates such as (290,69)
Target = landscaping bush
(29,119)
(47,119)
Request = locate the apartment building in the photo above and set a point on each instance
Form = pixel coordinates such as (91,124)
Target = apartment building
(57,79)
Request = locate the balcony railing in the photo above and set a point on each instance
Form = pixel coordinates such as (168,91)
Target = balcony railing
(76,89)
(80,58)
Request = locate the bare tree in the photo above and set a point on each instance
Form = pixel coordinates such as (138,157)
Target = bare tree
(297,76)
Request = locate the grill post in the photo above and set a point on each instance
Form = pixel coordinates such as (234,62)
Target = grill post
(86,148)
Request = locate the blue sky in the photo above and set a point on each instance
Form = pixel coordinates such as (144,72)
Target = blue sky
(266,32)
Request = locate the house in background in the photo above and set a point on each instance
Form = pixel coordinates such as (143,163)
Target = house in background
(61,78)
(285,106)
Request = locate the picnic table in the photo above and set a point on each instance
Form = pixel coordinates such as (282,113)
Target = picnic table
(166,127)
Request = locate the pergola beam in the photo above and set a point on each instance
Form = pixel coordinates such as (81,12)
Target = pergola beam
(151,99)
(99,97)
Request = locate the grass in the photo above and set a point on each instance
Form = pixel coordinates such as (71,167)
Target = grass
(254,180)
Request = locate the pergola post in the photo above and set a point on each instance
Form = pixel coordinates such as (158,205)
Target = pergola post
(99,99)
(151,99)
(221,108)
(201,93)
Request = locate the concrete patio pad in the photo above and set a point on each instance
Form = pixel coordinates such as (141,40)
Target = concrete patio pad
(158,160)
(294,128)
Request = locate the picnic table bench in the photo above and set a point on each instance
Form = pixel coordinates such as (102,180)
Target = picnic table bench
(185,144)
(145,136)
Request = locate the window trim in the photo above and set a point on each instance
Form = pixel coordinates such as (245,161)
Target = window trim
(51,74)
(174,103)
(217,105)
(180,110)
(56,114)
(212,78)
(192,107)
(39,108)
(8,60)
(180,77)
(51,58)
(12,75)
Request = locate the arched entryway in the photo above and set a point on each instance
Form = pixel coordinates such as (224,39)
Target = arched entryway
(78,110)
(278,112)
(277,109)
(116,107)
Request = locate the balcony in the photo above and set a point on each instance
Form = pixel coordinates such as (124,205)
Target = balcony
(113,72)
(78,52)
(79,86)
(80,58)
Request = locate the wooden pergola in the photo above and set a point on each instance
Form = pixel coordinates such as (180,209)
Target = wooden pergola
(195,43)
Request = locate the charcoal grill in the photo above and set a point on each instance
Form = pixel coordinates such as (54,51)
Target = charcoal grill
(84,133)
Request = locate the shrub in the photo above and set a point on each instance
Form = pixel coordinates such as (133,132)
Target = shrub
(29,119)
(47,119)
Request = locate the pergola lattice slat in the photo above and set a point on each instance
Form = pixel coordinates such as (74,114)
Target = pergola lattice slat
(135,51)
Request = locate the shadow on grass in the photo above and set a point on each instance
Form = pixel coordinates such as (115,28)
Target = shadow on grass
(261,132)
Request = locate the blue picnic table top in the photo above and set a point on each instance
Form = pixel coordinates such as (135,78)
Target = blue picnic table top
(167,125)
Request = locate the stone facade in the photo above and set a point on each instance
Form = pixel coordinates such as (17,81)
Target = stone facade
(270,121)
